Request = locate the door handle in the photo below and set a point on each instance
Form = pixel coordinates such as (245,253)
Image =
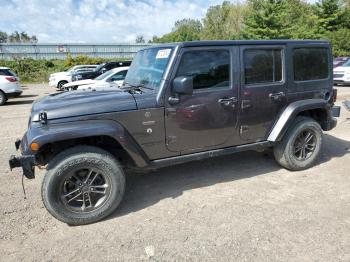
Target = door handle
(227,101)
(277,96)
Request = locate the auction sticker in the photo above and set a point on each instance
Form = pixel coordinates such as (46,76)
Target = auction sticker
(163,53)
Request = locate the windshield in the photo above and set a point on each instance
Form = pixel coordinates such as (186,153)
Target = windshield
(347,64)
(70,69)
(104,75)
(98,68)
(148,67)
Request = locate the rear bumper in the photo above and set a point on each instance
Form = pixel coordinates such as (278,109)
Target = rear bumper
(14,94)
(332,121)
(336,111)
(341,81)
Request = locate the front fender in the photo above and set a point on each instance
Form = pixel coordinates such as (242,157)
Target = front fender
(79,129)
(291,111)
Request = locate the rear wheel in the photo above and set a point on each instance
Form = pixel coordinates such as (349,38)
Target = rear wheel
(83,185)
(301,145)
(3,98)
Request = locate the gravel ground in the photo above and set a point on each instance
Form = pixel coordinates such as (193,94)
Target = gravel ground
(242,207)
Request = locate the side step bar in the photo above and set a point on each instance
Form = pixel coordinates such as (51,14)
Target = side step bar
(208,154)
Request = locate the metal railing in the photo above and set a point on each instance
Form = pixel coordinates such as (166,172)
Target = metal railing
(10,51)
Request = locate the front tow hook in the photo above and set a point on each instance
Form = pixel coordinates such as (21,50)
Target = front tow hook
(26,162)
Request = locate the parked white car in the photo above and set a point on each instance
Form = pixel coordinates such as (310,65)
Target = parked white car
(113,78)
(9,85)
(61,78)
(341,74)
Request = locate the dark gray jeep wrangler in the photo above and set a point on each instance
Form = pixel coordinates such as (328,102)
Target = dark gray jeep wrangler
(180,102)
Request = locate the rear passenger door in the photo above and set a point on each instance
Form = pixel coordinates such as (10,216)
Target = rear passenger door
(263,90)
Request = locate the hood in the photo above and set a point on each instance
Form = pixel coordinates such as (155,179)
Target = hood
(79,103)
(343,69)
(61,73)
(80,83)
(99,86)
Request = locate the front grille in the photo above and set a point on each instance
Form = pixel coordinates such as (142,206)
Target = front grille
(338,75)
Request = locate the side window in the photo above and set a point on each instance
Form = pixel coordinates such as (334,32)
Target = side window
(6,72)
(310,63)
(209,69)
(119,76)
(262,66)
(109,66)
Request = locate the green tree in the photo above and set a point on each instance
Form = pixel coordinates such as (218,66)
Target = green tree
(155,39)
(224,21)
(14,37)
(3,37)
(34,39)
(69,60)
(267,20)
(184,30)
(22,37)
(140,39)
(301,22)
(331,15)
(25,38)
(340,41)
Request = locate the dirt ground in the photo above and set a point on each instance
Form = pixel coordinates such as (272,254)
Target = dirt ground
(242,207)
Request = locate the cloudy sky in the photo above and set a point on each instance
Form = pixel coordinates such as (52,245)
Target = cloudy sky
(97,20)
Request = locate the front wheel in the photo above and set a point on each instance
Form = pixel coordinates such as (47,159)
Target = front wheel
(83,185)
(301,145)
(61,84)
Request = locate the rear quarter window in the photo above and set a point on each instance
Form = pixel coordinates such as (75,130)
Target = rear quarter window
(310,63)
(6,72)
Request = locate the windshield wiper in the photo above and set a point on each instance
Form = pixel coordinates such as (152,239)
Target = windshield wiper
(138,86)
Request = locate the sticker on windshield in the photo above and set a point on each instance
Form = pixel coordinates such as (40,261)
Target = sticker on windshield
(164,53)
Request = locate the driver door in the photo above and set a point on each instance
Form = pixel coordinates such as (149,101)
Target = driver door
(207,118)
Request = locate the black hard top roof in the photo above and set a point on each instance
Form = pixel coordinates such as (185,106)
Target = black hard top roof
(241,42)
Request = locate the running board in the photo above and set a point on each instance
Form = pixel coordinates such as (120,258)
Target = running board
(208,154)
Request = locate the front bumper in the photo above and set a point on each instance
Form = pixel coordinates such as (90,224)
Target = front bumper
(26,162)
(52,83)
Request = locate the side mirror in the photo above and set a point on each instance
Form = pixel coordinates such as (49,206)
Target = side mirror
(183,85)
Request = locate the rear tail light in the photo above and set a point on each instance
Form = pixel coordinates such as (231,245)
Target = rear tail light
(11,78)
(335,94)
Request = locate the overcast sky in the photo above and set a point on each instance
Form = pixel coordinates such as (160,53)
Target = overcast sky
(86,21)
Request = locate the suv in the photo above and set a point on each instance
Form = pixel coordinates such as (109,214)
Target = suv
(9,85)
(102,68)
(341,74)
(112,78)
(179,102)
(59,79)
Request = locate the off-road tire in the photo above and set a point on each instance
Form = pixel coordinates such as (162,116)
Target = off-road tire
(3,98)
(284,151)
(81,157)
(61,84)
